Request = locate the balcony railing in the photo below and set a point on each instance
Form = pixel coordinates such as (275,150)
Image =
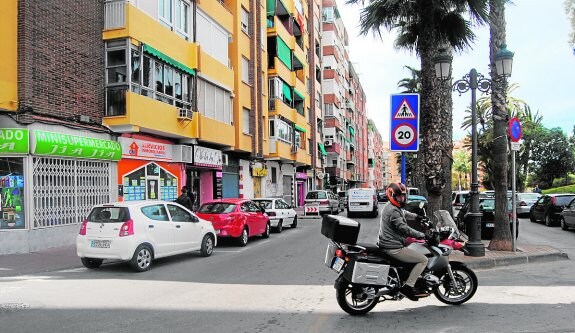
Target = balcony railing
(114,14)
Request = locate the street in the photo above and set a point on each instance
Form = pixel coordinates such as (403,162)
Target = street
(280,284)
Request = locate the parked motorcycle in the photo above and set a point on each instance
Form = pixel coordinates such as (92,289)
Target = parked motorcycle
(368,276)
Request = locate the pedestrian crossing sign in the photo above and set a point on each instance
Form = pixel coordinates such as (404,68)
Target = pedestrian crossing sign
(404,111)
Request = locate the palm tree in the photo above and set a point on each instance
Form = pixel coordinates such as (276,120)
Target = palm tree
(462,165)
(501,234)
(421,26)
(411,84)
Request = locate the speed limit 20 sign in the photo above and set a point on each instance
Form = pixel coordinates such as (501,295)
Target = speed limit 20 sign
(404,133)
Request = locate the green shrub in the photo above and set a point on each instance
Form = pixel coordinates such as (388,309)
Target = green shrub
(562,189)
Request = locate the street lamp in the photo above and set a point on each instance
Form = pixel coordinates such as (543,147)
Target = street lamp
(475,81)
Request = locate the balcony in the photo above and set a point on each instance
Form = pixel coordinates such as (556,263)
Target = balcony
(278,107)
(301,157)
(333,171)
(335,148)
(350,106)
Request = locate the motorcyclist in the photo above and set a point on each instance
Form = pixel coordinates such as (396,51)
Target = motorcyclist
(392,231)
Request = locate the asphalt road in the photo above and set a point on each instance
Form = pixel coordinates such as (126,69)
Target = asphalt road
(280,285)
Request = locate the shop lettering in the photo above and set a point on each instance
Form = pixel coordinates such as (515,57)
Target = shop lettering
(208,156)
(65,139)
(8,146)
(8,134)
(66,150)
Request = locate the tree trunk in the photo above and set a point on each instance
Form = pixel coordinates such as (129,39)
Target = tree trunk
(430,109)
(501,240)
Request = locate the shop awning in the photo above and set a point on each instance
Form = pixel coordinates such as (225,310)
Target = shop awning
(299,128)
(322,148)
(159,55)
(284,53)
(346,139)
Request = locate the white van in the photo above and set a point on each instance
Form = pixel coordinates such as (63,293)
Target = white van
(362,201)
(412,191)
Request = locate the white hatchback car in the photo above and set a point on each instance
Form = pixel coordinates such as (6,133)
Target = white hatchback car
(141,231)
(280,212)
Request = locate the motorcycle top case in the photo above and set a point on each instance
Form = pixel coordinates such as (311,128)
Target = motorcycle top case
(340,229)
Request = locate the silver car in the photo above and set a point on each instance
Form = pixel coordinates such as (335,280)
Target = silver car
(327,200)
(525,201)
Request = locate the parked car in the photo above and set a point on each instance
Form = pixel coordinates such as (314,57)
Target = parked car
(487,209)
(236,218)
(524,201)
(342,200)
(140,232)
(568,216)
(362,201)
(382,196)
(280,212)
(458,199)
(548,208)
(327,200)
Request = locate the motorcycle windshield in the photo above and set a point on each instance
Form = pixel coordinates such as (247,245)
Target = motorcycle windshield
(443,221)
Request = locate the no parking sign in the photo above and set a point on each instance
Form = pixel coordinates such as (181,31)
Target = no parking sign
(404,130)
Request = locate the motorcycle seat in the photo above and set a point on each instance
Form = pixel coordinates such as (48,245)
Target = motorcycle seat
(375,250)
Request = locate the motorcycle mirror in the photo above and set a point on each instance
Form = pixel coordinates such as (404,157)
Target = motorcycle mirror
(421,204)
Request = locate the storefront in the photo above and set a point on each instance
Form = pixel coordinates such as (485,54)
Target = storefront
(50,178)
(301,181)
(147,170)
(205,176)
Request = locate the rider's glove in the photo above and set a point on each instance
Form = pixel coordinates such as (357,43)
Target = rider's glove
(418,218)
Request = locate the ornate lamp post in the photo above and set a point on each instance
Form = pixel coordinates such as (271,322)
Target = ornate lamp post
(474,81)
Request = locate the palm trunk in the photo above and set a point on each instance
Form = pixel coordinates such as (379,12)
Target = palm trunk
(502,235)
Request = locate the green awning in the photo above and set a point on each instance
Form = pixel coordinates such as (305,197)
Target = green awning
(322,148)
(287,91)
(351,130)
(159,55)
(284,53)
(346,139)
(299,128)
(301,96)
(271,7)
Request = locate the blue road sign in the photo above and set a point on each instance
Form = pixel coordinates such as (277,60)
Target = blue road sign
(404,129)
(515,130)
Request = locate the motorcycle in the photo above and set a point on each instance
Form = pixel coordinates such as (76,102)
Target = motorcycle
(367,276)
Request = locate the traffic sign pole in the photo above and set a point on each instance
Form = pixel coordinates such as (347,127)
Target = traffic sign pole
(515,133)
(403,158)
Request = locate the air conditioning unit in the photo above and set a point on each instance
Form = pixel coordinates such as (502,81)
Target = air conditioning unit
(328,143)
(182,153)
(225,159)
(185,114)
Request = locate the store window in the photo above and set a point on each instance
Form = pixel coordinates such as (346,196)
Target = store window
(12,193)
(150,182)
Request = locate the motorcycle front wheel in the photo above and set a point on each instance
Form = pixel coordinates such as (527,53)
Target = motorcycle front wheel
(356,300)
(447,291)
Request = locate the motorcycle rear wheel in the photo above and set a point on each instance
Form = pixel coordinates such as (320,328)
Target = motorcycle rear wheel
(356,300)
(466,286)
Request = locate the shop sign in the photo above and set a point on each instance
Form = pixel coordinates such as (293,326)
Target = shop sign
(14,141)
(301,175)
(259,172)
(67,145)
(146,150)
(207,157)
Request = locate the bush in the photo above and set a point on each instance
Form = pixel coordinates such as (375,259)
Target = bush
(562,189)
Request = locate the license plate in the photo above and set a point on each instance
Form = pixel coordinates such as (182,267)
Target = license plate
(337,264)
(355,203)
(489,225)
(100,244)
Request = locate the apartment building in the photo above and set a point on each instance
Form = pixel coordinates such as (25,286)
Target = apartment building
(375,157)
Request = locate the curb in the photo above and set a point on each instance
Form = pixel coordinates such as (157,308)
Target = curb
(517,259)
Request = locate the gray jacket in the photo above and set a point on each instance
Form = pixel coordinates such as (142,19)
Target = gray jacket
(393,227)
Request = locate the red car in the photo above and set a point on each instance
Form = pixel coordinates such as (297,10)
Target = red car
(237,218)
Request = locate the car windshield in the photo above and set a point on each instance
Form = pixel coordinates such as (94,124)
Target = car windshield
(563,200)
(109,214)
(316,195)
(217,208)
(265,204)
(487,204)
(529,196)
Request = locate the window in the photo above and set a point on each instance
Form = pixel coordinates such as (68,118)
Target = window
(246,71)
(214,102)
(181,13)
(12,212)
(274,175)
(245,21)
(272,129)
(180,215)
(246,121)
(155,212)
(327,14)
(166,12)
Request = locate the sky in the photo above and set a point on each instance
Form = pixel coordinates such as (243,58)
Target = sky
(543,65)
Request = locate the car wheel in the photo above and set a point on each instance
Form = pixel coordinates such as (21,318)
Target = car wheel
(91,263)
(207,246)
(548,220)
(531,217)
(563,224)
(279,228)
(294,223)
(267,232)
(243,240)
(142,259)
